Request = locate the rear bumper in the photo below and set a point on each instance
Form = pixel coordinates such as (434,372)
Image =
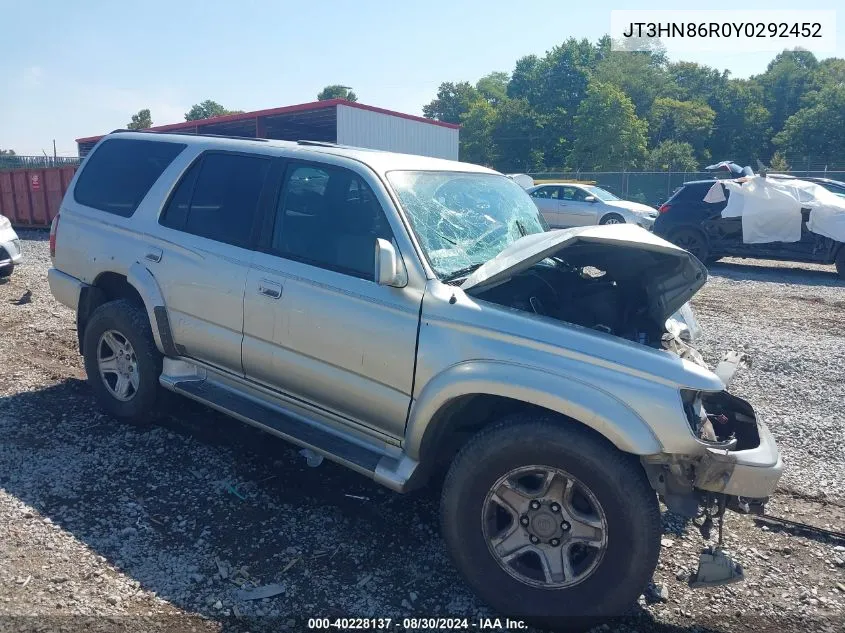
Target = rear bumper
(65,289)
(753,473)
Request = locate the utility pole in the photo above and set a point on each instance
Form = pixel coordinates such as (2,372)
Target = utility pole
(54,149)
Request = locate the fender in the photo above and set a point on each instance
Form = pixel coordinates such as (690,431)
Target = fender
(584,402)
(143,281)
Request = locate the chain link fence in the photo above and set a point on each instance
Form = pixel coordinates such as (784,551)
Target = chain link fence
(9,162)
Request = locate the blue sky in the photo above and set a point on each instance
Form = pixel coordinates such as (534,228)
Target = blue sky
(73,69)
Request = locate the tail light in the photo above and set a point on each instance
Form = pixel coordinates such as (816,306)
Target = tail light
(663,208)
(54,229)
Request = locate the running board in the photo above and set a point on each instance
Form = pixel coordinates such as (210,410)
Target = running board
(391,470)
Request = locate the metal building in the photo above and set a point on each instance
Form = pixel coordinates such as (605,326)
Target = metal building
(334,121)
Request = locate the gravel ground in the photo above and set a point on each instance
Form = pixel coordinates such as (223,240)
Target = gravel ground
(160,527)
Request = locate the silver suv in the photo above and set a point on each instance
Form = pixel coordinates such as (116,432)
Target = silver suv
(411,317)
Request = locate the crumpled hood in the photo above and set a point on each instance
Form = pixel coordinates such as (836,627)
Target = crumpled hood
(633,207)
(669,274)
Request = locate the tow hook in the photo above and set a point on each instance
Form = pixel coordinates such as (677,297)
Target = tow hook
(714,566)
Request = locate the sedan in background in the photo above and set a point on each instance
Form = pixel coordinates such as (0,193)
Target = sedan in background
(10,247)
(566,204)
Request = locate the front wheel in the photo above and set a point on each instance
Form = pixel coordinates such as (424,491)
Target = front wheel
(550,523)
(612,218)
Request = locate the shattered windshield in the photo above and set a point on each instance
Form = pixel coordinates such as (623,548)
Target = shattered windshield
(464,219)
(601,194)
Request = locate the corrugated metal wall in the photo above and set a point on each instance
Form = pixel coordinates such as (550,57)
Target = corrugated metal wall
(31,197)
(376,130)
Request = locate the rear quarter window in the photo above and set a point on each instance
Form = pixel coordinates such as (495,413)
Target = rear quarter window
(117,176)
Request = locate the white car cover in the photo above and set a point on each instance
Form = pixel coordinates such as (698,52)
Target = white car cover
(771,209)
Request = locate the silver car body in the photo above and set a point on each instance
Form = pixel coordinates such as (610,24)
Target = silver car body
(375,366)
(10,245)
(566,204)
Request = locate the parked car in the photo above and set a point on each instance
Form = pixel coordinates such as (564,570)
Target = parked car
(10,247)
(570,204)
(407,316)
(834,186)
(687,220)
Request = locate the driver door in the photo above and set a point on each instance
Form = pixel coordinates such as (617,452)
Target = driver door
(574,209)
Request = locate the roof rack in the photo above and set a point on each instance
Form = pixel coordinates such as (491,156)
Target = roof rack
(232,136)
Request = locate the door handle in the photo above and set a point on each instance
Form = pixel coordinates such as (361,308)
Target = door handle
(153,254)
(270,289)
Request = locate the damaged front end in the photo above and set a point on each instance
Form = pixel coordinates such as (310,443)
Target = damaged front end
(737,470)
(630,284)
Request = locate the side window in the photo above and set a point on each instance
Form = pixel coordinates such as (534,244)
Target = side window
(543,192)
(218,197)
(579,195)
(329,217)
(119,174)
(567,193)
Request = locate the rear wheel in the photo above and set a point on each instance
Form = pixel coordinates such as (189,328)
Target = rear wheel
(612,218)
(122,361)
(693,241)
(550,523)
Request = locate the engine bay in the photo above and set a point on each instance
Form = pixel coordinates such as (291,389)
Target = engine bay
(581,295)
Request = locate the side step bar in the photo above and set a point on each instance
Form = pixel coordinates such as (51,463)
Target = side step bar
(389,470)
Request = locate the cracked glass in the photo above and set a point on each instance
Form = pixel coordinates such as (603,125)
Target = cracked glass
(462,220)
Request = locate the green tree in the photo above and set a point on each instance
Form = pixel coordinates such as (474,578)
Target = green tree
(695,82)
(493,87)
(452,102)
(742,128)
(336,91)
(525,79)
(778,162)
(818,131)
(517,133)
(672,156)
(476,136)
(563,76)
(208,109)
(608,133)
(685,121)
(641,75)
(787,79)
(140,121)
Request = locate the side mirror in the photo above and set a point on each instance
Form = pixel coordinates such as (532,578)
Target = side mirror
(390,271)
(590,199)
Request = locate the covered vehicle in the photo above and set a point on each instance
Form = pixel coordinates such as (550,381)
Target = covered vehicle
(761,217)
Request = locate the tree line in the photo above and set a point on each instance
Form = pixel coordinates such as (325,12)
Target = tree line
(582,106)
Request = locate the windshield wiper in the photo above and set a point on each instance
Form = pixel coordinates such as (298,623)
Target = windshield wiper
(460,273)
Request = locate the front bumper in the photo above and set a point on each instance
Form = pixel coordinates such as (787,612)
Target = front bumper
(752,473)
(646,222)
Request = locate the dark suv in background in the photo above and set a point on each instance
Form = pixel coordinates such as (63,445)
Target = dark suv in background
(687,220)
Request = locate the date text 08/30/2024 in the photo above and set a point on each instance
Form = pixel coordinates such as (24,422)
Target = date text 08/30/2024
(411,624)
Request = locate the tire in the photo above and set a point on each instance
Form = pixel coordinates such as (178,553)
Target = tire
(840,262)
(127,322)
(615,479)
(692,240)
(612,218)
(6,272)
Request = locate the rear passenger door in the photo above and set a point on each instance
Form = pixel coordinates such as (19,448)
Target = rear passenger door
(546,200)
(201,261)
(317,327)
